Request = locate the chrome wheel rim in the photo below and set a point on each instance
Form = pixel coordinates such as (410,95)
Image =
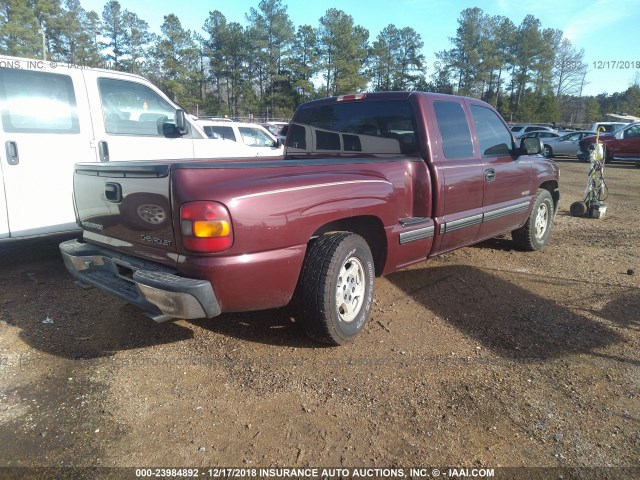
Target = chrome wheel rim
(350,289)
(542,220)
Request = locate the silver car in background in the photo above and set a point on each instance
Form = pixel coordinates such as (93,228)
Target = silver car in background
(564,145)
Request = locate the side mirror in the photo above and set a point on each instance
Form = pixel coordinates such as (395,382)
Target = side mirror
(181,122)
(531,146)
(277,143)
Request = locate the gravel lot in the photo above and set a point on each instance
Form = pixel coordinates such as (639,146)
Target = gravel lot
(486,357)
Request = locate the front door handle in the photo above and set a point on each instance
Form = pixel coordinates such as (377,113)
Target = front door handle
(103,151)
(490,175)
(12,152)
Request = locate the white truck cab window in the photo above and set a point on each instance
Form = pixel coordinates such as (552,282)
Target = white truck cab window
(133,109)
(254,137)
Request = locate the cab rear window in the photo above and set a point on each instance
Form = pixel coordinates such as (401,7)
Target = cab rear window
(376,127)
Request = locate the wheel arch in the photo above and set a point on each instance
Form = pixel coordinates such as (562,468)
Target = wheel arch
(369,227)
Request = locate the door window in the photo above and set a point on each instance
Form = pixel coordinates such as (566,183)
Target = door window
(454,130)
(632,132)
(255,137)
(133,109)
(222,132)
(37,102)
(494,138)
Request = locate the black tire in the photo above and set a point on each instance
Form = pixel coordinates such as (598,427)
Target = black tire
(535,233)
(578,209)
(547,151)
(322,316)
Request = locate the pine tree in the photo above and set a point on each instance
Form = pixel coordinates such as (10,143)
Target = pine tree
(19,30)
(303,62)
(395,59)
(78,39)
(178,57)
(344,47)
(136,41)
(272,33)
(215,45)
(113,30)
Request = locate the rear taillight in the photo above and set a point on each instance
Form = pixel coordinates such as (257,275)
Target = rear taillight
(205,227)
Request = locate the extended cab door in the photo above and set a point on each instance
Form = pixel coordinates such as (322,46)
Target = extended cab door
(45,130)
(459,201)
(506,180)
(133,120)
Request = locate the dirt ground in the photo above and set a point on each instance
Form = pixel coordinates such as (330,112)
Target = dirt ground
(485,357)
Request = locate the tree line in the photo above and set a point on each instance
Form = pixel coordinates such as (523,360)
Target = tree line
(268,66)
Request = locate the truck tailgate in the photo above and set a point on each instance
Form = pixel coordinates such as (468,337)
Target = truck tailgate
(129,201)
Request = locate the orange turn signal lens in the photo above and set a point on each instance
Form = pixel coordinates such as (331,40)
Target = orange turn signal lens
(211,228)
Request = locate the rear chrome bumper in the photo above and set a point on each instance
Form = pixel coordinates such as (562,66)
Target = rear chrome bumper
(154,288)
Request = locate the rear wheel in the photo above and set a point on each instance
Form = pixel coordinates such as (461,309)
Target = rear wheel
(533,235)
(336,289)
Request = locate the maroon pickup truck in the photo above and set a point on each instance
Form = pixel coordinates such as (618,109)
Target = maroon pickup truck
(369,184)
(622,145)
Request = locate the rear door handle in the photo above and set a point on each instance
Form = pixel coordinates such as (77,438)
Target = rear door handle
(490,175)
(12,152)
(103,151)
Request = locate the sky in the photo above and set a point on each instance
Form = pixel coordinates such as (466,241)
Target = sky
(607,30)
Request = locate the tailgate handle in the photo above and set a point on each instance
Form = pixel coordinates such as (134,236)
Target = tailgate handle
(103,151)
(113,192)
(12,153)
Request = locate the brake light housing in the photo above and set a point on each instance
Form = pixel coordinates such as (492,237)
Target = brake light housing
(205,227)
(352,97)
